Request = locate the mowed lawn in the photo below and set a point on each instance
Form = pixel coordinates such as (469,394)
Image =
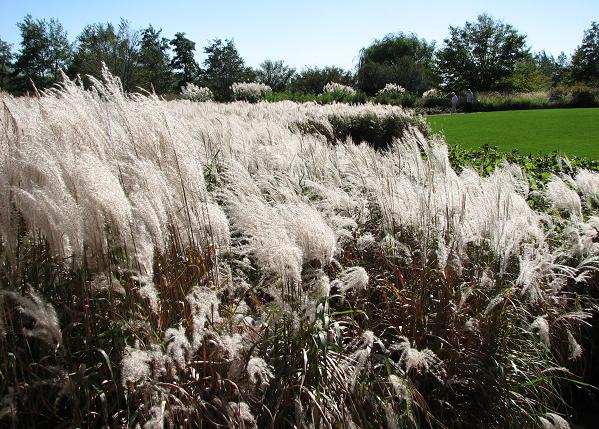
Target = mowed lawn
(569,131)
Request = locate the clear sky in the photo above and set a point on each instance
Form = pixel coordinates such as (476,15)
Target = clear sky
(311,32)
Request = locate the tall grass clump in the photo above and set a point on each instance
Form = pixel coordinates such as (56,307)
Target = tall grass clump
(334,92)
(196,93)
(396,95)
(251,92)
(176,264)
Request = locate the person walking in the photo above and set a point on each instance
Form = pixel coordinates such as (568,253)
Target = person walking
(454,102)
(469,101)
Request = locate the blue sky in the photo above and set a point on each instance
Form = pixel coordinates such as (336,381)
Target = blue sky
(311,32)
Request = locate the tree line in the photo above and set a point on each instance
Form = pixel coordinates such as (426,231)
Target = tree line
(484,55)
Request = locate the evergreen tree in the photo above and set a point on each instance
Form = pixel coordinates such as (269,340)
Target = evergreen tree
(553,68)
(585,61)
(184,65)
(6,58)
(154,68)
(224,66)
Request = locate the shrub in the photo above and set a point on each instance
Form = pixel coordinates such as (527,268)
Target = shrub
(557,94)
(583,95)
(250,91)
(492,101)
(378,131)
(313,80)
(196,93)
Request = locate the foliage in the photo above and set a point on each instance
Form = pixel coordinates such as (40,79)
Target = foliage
(154,63)
(571,96)
(338,91)
(45,50)
(392,90)
(538,168)
(60,51)
(401,59)
(491,101)
(250,91)
(481,55)
(223,67)
(31,63)
(6,57)
(313,80)
(528,77)
(117,48)
(238,265)
(184,65)
(395,95)
(585,60)
(275,74)
(298,97)
(430,93)
(553,68)
(194,93)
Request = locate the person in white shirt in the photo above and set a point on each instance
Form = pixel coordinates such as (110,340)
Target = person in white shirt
(469,100)
(454,102)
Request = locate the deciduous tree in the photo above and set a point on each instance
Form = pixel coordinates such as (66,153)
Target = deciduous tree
(117,48)
(313,80)
(32,61)
(401,59)
(481,55)
(45,50)
(60,50)
(274,74)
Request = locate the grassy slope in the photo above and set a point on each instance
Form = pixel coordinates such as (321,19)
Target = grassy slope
(570,131)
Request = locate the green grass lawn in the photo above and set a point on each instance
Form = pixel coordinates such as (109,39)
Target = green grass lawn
(569,131)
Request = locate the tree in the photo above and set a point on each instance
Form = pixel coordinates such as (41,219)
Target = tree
(60,50)
(6,57)
(274,74)
(313,80)
(45,50)
(183,63)
(402,59)
(32,61)
(585,61)
(528,77)
(117,48)
(482,55)
(154,68)
(553,68)
(224,66)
